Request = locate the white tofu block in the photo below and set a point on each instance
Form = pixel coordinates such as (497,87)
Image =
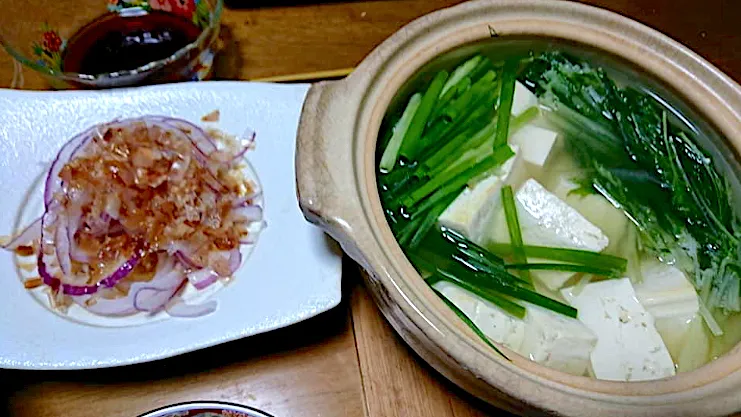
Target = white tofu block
(490,319)
(557,341)
(545,220)
(471,212)
(628,346)
(665,291)
(594,207)
(535,143)
(545,337)
(523,99)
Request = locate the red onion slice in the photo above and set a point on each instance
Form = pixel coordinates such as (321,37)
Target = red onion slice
(202,278)
(29,235)
(62,246)
(248,213)
(69,150)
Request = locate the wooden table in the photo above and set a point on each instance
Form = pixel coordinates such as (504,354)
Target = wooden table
(347,362)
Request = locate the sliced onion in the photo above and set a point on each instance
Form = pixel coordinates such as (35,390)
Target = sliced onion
(178,308)
(58,228)
(122,271)
(235,260)
(69,150)
(62,245)
(247,213)
(202,278)
(29,235)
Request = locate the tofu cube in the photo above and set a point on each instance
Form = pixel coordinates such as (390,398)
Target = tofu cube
(628,346)
(523,99)
(545,337)
(471,212)
(665,292)
(494,322)
(535,143)
(546,220)
(557,341)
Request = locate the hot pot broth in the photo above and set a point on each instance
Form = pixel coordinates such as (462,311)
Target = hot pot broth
(567,207)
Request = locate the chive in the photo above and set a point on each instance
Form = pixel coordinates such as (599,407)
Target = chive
(456,147)
(586,269)
(462,71)
(463,103)
(506,97)
(522,119)
(576,256)
(447,97)
(502,285)
(407,231)
(510,307)
(482,105)
(470,324)
(482,68)
(451,181)
(391,153)
(411,143)
(466,125)
(515,233)
(430,220)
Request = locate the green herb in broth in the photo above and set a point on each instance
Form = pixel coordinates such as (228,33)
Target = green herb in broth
(460,261)
(652,168)
(515,234)
(469,323)
(573,256)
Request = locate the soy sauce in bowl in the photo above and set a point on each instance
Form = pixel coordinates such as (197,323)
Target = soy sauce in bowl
(119,42)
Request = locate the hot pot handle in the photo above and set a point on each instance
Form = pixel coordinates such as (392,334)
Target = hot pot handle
(325,170)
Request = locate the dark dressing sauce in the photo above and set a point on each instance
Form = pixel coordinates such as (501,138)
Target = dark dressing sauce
(117,42)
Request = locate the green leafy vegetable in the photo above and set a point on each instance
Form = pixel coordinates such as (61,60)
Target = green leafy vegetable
(574,256)
(650,166)
(506,97)
(411,143)
(515,233)
(391,153)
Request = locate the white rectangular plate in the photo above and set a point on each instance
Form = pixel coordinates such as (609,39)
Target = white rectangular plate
(292,274)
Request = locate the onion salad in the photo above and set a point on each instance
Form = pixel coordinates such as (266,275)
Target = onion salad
(135,210)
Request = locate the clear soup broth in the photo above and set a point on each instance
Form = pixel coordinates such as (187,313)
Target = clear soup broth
(566,206)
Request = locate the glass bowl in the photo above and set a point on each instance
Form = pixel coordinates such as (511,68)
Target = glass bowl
(69,41)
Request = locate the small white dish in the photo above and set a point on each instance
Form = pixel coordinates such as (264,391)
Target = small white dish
(291,274)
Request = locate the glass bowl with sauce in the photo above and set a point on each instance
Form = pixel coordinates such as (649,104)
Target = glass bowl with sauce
(112,43)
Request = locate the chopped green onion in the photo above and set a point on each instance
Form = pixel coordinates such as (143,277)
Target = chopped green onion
(453,181)
(506,97)
(515,233)
(430,220)
(460,88)
(500,284)
(460,72)
(391,153)
(470,324)
(456,147)
(586,269)
(510,307)
(411,143)
(576,256)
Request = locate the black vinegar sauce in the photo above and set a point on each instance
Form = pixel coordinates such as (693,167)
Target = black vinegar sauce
(116,42)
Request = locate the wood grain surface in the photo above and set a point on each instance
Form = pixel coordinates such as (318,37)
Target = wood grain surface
(347,362)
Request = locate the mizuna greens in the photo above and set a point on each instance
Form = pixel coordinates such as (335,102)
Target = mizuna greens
(651,166)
